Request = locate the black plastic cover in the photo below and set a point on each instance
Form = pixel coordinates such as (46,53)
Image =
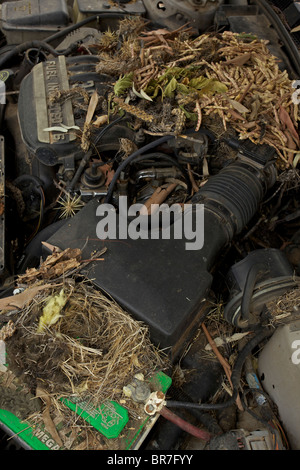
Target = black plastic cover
(35,13)
(159,282)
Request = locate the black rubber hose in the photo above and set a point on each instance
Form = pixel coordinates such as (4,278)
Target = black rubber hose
(203,417)
(251,280)
(64,32)
(80,169)
(25,178)
(103,131)
(21,48)
(235,377)
(131,157)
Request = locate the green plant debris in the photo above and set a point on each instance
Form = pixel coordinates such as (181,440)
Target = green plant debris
(226,76)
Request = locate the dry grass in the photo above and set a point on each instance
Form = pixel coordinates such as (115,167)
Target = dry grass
(286,307)
(94,348)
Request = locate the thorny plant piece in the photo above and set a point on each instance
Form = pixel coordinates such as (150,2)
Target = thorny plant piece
(69,205)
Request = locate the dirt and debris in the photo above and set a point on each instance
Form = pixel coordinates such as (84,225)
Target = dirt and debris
(286,307)
(16,397)
(71,340)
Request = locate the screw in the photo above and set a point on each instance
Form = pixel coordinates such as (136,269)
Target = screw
(149,408)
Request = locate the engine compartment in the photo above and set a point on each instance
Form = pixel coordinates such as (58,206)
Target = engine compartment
(177,105)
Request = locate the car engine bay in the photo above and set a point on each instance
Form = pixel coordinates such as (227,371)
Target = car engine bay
(173,103)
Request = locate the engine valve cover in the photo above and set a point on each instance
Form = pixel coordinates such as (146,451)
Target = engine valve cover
(65,114)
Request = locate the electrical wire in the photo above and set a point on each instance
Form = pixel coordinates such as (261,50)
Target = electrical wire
(90,19)
(42,45)
(235,377)
(259,418)
(107,128)
(185,425)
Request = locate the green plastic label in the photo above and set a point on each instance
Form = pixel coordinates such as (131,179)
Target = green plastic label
(36,437)
(109,419)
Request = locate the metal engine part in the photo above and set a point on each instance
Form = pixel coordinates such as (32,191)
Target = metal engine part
(174,13)
(272,275)
(279,372)
(83,9)
(51,146)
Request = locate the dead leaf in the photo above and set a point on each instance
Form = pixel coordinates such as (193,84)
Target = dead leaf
(100,120)
(287,122)
(296,160)
(60,262)
(108,172)
(239,60)
(92,107)
(291,145)
(20,300)
(295,30)
(236,115)
(222,341)
(52,248)
(238,106)
(157,198)
(49,425)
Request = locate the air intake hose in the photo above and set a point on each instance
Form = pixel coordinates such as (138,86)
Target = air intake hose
(231,198)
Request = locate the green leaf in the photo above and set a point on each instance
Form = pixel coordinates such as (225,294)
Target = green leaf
(145,96)
(170,88)
(216,87)
(190,116)
(153,89)
(182,88)
(207,85)
(199,82)
(246,36)
(123,84)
